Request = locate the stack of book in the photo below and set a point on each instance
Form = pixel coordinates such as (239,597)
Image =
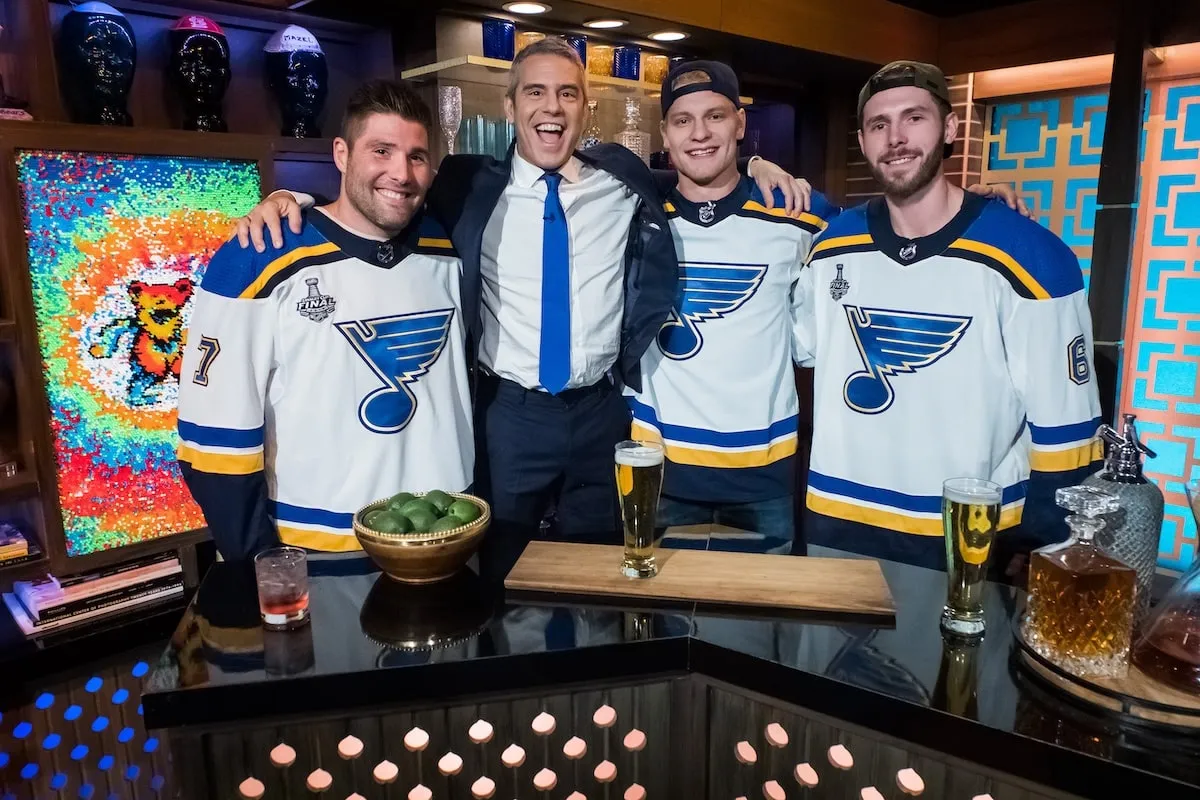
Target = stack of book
(12,543)
(48,603)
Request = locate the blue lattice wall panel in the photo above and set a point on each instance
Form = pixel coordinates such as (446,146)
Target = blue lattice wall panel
(1049,148)
(1161,380)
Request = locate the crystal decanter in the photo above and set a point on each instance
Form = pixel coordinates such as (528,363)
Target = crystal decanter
(1081,600)
(632,137)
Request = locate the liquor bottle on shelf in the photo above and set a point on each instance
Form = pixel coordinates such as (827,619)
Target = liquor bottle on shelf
(1132,534)
(632,137)
(591,134)
(1169,647)
(1081,600)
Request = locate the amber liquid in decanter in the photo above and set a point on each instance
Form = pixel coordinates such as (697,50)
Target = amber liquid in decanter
(1081,601)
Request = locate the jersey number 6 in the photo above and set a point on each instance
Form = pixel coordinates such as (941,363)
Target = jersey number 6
(209,348)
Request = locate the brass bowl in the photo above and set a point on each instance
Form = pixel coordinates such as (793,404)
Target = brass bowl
(422,557)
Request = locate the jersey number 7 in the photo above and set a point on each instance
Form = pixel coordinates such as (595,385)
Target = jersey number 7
(209,348)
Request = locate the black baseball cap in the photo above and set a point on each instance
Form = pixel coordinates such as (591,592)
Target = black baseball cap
(720,79)
(905,73)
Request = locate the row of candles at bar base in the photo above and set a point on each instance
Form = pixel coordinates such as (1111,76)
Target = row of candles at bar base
(1089,597)
(450,764)
(907,780)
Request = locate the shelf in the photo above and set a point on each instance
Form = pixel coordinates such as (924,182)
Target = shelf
(8,330)
(24,483)
(17,569)
(313,147)
(494,72)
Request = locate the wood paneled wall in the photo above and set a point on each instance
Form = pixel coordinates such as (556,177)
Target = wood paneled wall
(874,31)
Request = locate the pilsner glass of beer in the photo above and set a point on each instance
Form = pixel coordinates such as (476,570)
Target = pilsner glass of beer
(639,468)
(970,517)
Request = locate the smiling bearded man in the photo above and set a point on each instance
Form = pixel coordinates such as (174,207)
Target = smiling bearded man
(320,376)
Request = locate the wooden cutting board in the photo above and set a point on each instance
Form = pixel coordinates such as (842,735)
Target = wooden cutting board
(831,585)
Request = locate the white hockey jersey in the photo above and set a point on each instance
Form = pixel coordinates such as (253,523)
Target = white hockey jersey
(966,353)
(321,377)
(718,385)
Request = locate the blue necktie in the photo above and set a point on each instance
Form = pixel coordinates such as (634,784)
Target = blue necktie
(555,354)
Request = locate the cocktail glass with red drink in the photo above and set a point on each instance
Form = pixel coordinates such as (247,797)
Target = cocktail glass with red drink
(282,577)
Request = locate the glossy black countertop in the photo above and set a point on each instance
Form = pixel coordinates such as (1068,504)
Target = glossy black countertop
(374,642)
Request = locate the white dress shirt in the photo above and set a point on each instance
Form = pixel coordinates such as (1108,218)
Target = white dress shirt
(599,210)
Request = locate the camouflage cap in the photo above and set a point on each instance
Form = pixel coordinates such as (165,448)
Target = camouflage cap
(904,73)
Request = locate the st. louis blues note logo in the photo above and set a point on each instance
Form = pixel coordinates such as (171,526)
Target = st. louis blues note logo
(314,305)
(891,343)
(706,291)
(399,350)
(839,286)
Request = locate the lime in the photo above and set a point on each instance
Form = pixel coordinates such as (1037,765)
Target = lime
(390,522)
(464,510)
(370,517)
(421,520)
(441,501)
(446,523)
(394,503)
(420,504)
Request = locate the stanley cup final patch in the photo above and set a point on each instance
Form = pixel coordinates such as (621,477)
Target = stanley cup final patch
(839,286)
(314,305)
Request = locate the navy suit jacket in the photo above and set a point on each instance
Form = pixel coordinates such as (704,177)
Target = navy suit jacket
(465,194)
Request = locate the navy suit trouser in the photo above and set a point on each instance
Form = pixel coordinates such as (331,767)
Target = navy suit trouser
(536,451)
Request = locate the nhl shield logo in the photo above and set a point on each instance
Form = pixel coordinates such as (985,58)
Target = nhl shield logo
(909,251)
(385,253)
(708,212)
(315,306)
(839,286)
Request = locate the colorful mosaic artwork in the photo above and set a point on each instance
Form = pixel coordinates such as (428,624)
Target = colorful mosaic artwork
(1049,148)
(116,245)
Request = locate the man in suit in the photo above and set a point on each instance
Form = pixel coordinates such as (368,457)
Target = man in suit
(569,271)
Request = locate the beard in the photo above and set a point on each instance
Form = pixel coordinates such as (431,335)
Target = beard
(390,219)
(904,188)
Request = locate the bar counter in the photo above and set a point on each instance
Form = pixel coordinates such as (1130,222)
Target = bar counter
(379,659)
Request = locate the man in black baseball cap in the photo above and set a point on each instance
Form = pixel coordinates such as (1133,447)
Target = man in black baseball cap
(717,385)
(687,77)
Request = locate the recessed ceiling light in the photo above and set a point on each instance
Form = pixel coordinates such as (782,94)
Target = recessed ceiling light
(668,36)
(526,8)
(606,23)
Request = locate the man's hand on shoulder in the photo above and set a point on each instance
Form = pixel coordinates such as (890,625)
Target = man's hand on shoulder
(1004,192)
(269,215)
(797,192)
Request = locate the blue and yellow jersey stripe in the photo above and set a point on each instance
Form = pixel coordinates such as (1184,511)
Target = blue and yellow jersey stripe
(810,222)
(840,245)
(698,447)
(277,271)
(1062,448)
(917,515)
(1035,262)
(220,451)
(315,528)
(996,259)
